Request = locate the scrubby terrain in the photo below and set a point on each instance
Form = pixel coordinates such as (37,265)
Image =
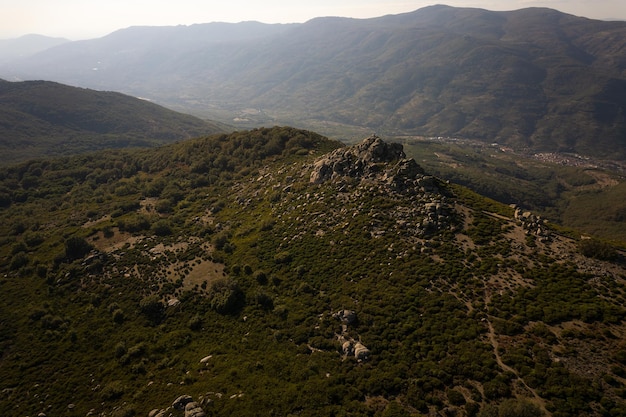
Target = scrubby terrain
(276,272)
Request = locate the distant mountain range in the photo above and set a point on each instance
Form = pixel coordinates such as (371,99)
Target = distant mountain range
(533,78)
(26,45)
(42,118)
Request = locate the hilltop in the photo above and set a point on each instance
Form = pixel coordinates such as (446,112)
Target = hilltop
(41,118)
(532,78)
(275,271)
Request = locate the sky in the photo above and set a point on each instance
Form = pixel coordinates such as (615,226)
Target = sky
(86,19)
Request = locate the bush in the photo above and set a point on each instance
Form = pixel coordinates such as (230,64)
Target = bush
(76,248)
(161,228)
(455,397)
(225,296)
(118,316)
(518,408)
(152,307)
(260,277)
(593,248)
(18,261)
(112,391)
(195,323)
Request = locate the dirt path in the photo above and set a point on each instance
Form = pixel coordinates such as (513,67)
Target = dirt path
(494,342)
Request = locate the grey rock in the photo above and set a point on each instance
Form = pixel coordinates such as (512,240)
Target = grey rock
(181,402)
(193,409)
(346,316)
(361,160)
(360,351)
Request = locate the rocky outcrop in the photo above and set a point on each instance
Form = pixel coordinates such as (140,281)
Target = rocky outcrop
(532,224)
(374,167)
(362,161)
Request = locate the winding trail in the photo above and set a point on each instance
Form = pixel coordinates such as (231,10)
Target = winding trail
(494,343)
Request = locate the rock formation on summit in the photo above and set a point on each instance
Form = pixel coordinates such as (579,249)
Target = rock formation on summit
(363,160)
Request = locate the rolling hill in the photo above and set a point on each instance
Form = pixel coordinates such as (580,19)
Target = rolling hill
(532,78)
(277,272)
(40,118)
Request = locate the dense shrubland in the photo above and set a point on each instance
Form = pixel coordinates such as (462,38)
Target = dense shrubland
(214,268)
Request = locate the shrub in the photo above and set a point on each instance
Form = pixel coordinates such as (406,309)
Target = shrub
(195,323)
(593,248)
(161,228)
(260,277)
(112,391)
(518,408)
(76,248)
(225,296)
(18,261)
(455,397)
(152,307)
(118,316)
(264,300)
(134,223)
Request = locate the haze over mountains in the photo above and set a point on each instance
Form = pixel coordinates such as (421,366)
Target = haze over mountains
(43,118)
(532,77)
(26,45)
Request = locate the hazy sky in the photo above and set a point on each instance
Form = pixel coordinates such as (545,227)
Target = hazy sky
(82,19)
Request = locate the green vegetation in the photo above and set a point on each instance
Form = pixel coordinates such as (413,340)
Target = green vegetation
(39,119)
(215,268)
(580,193)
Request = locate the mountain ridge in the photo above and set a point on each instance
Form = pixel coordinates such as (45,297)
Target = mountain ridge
(42,118)
(535,78)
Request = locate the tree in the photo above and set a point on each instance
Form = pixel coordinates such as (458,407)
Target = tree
(152,307)
(76,248)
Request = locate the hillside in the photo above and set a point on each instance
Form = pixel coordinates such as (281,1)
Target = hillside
(533,78)
(276,272)
(582,193)
(39,118)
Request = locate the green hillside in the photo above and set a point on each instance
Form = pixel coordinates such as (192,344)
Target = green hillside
(276,272)
(39,118)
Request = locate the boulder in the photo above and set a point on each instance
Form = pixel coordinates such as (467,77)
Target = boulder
(346,348)
(360,351)
(180,402)
(346,316)
(193,409)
